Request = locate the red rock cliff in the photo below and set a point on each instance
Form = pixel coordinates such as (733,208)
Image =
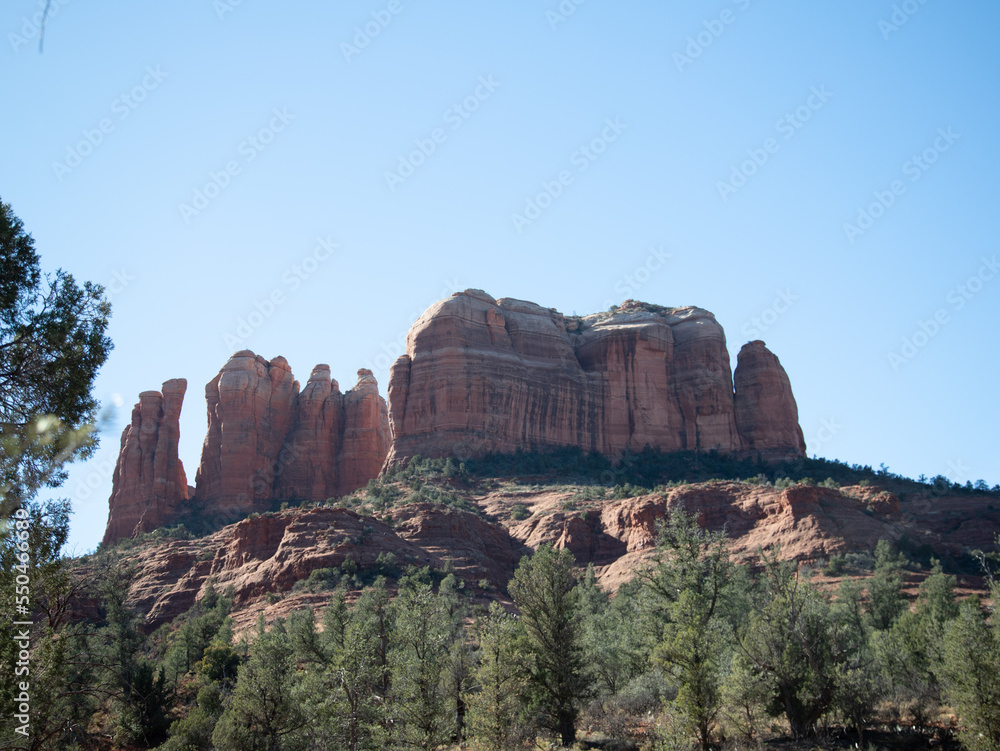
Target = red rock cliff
(766,413)
(149,483)
(266,441)
(483,375)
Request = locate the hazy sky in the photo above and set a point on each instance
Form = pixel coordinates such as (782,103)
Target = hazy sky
(822,176)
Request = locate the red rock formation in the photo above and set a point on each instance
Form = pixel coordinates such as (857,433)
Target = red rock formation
(271,552)
(266,441)
(807,523)
(251,409)
(483,375)
(766,413)
(149,482)
(339,441)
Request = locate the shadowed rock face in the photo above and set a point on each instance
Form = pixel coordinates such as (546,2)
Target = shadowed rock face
(266,441)
(149,482)
(483,375)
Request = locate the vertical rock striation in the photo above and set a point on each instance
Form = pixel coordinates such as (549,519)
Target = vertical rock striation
(482,375)
(149,484)
(266,442)
(766,413)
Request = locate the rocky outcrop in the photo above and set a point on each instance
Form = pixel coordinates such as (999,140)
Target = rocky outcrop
(483,375)
(766,413)
(806,523)
(149,484)
(263,556)
(271,552)
(252,405)
(266,443)
(338,443)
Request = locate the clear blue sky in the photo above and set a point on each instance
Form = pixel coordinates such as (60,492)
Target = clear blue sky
(176,92)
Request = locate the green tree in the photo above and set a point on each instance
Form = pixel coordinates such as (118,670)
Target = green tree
(343,674)
(52,344)
(912,651)
(686,599)
(264,713)
(610,635)
(61,679)
(461,661)
(496,711)
(972,679)
(136,689)
(543,590)
(799,642)
(859,681)
(885,596)
(418,661)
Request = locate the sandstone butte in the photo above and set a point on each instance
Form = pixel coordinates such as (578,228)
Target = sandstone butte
(479,375)
(266,441)
(483,375)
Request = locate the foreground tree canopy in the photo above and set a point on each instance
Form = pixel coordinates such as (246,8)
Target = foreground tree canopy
(52,343)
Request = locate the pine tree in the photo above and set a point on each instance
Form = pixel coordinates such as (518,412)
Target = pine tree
(418,661)
(686,597)
(264,711)
(496,711)
(543,590)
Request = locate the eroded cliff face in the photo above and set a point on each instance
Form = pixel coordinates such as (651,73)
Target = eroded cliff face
(252,405)
(483,375)
(766,413)
(266,442)
(480,375)
(149,484)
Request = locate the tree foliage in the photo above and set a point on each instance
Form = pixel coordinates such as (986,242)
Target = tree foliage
(52,343)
